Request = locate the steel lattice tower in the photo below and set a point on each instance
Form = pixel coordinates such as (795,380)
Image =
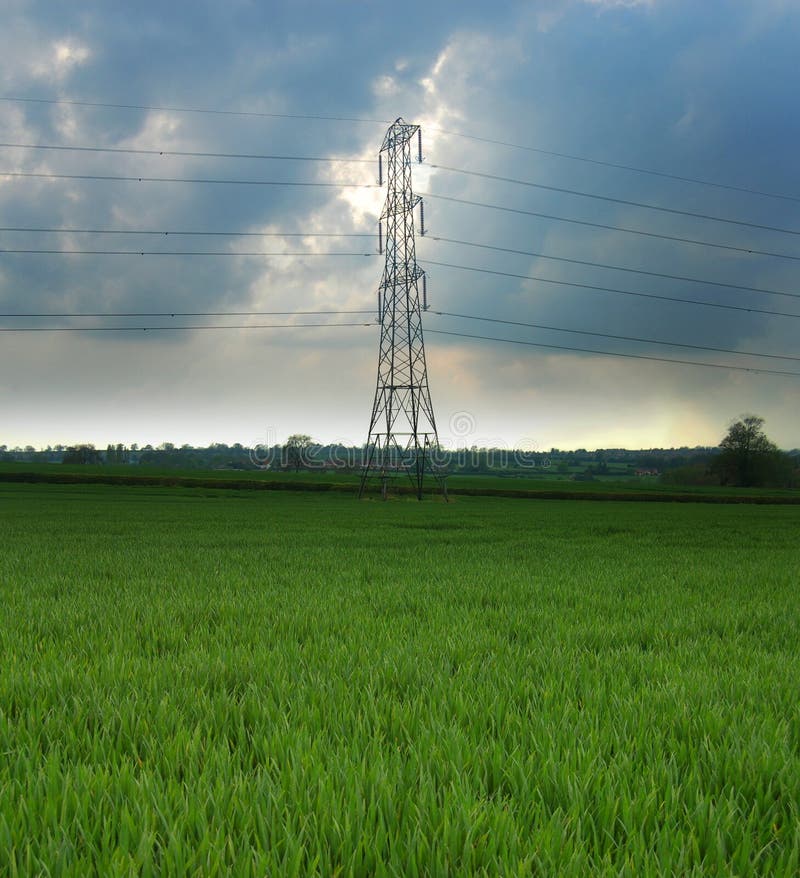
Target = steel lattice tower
(402,431)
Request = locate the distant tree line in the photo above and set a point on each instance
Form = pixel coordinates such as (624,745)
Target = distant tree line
(744,458)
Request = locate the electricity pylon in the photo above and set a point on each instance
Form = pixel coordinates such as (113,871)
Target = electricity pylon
(402,436)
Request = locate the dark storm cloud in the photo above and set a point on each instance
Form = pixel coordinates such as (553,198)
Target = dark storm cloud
(704,92)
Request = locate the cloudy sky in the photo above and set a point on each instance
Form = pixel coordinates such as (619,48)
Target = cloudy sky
(696,91)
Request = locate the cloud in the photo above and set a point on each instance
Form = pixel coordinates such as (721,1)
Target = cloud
(619,4)
(654,93)
(58,60)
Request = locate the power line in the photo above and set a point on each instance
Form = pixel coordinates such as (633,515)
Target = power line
(674,344)
(661,274)
(88,314)
(45,252)
(174,328)
(628,230)
(29,329)
(464,135)
(201,110)
(339,312)
(118,178)
(564,191)
(537,344)
(233,233)
(183,233)
(565,283)
(539,279)
(185,153)
(172,314)
(260,253)
(618,165)
(243,234)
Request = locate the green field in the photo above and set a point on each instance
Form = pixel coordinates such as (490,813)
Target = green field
(507,485)
(214,682)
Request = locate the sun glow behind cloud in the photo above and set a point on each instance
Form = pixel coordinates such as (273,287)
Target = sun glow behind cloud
(601,79)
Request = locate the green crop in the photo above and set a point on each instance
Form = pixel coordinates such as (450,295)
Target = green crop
(244,683)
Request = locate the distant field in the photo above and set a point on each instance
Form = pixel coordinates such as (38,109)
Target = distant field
(209,682)
(511,485)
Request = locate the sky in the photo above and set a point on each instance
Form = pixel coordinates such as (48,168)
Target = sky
(559,93)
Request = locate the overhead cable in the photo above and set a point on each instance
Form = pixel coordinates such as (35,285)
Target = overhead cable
(46,252)
(613,200)
(627,229)
(93,314)
(556,347)
(173,328)
(460,134)
(591,264)
(186,233)
(618,165)
(234,233)
(201,110)
(674,344)
(566,283)
(124,179)
(185,153)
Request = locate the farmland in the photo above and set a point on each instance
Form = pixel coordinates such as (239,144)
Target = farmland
(207,681)
(511,485)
